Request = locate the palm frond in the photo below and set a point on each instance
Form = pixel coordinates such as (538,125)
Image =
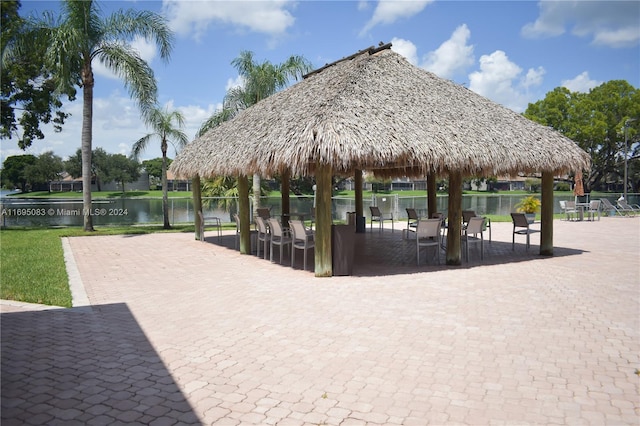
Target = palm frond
(215,120)
(127,24)
(138,76)
(141,144)
(166,126)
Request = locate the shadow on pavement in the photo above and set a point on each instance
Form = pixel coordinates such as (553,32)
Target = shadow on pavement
(89,365)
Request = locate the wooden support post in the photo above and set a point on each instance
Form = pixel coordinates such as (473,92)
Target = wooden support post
(359,205)
(323,260)
(243,214)
(455,218)
(546,215)
(285,189)
(432,202)
(197,204)
(256,192)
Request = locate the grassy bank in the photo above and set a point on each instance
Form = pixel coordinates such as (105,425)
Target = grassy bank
(103,194)
(32,261)
(33,268)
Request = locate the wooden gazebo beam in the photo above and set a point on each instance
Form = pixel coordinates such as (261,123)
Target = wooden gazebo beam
(454,223)
(197,205)
(358,195)
(285,189)
(243,214)
(323,258)
(546,215)
(432,205)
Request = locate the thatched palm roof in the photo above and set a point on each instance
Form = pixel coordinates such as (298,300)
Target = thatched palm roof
(376,111)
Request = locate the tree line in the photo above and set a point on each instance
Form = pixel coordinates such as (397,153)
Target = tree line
(36,173)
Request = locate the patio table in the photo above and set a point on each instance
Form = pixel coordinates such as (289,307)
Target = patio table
(581,207)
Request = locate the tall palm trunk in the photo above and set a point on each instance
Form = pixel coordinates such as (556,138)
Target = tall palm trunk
(256,193)
(165,188)
(87,122)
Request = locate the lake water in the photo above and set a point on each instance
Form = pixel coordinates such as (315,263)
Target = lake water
(127,211)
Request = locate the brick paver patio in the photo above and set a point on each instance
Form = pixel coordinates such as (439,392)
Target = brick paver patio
(181,332)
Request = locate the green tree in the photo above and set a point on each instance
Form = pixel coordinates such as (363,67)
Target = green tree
(14,171)
(167,128)
(260,81)
(80,37)
(122,169)
(225,189)
(99,167)
(154,169)
(46,168)
(595,120)
(28,93)
(73,164)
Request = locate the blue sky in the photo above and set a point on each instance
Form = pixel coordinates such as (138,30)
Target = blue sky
(512,52)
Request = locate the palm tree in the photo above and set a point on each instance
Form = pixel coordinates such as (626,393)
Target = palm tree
(82,35)
(166,127)
(260,81)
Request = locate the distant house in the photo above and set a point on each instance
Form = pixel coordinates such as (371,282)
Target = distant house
(502,183)
(175,184)
(67,183)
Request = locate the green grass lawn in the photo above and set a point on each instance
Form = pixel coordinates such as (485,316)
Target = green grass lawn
(103,194)
(33,268)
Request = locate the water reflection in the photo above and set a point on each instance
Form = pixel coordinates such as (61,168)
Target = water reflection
(128,211)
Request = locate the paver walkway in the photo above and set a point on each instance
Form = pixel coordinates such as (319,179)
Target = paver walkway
(181,332)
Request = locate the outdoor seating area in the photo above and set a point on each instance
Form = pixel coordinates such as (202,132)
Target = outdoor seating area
(522,226)
(628,209)
(412,250)
(578,211)
(211,222)
(272,236)
(380,218)
(590,210)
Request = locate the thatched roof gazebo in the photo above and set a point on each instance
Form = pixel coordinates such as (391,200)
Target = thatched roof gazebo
(375,111)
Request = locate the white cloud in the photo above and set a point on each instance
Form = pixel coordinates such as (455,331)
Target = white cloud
(534,77)
(499,80)
(581,83)
(145,48)
(609,23)
(550,23)
(234,82)
(452,56)
(195,115)
(406,49)
(124,149)
(194,17)
(389,11)
(621,37)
